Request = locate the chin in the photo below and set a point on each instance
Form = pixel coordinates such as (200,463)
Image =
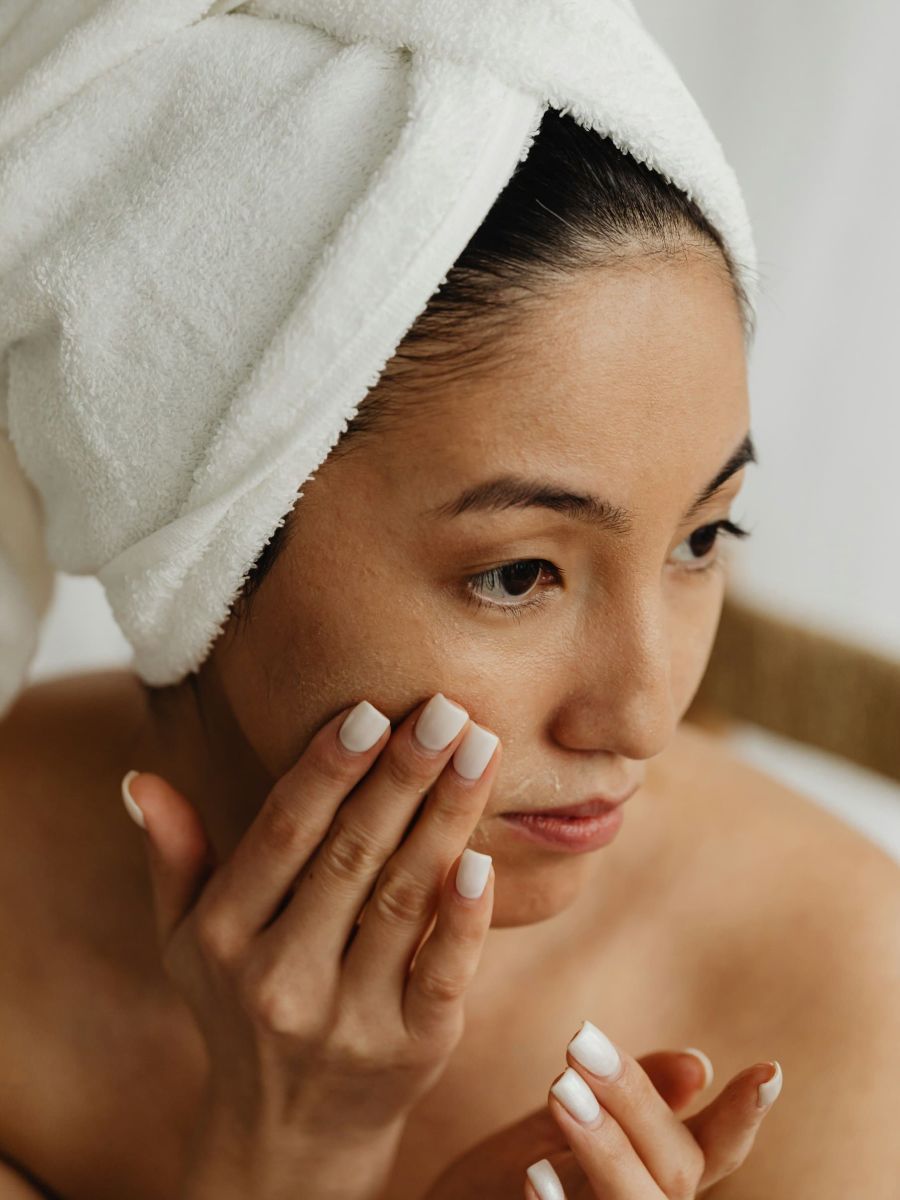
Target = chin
(527,896)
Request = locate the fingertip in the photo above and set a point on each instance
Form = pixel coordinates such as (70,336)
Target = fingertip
(703,1059)
(140,792)
(174,827)
(768,1092)
(542,1182)
(131,805)
(473,874)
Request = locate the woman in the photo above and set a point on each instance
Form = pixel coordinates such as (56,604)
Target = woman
(278,988)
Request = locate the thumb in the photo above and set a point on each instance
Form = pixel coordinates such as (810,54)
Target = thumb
(181,858)
(726,1129)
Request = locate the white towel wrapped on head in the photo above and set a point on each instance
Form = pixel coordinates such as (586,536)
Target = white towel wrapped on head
(218,222)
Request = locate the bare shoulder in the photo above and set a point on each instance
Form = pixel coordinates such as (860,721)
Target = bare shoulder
(74,724)
(60,749)
(773,824)
(803,885)
(802,964)
(67,706)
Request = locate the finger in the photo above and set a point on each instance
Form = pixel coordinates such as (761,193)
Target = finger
(600,1144)
(489,1162)
(365,834)
(179,853)
(542,1182)
(726,1129)
(667,1149)
(407,890)
(250,886)
(447,961)
(678,1075)
(565,1164)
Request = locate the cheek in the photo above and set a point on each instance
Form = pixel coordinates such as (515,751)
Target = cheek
(318,644)
(694,621)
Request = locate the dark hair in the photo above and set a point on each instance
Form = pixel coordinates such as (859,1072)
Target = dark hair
(575,201)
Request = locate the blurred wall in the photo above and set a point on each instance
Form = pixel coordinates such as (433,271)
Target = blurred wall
(805,96)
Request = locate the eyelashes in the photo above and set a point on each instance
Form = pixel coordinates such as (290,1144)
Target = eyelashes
(712,531)
(512,574)
(495,574)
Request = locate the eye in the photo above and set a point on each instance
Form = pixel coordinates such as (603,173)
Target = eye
(703,541)
(505,587)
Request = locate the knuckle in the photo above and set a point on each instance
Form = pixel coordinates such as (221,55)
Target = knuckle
(271,1004)
(466,936)
(401,899)
(454,811)
(728,1161)
(361,1034)
(682,1177)
(441,988)
(645,1099)
(215,939)
(283,826)
(350,852)
(404,774)
(443,1030)
(277,1012)
(326,766)
(356,1056)
(433,1031)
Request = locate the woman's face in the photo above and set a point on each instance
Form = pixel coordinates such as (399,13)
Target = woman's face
(629,385)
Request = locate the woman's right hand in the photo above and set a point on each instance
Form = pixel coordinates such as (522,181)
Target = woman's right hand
(323,1034)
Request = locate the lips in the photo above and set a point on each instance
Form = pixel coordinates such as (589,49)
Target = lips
(595,807)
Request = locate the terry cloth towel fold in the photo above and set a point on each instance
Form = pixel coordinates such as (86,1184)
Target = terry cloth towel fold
(218,221)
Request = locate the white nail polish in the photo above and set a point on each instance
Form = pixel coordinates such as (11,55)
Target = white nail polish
(768,1093)
(362,727)
(595,1051)
(704,1062)
(475,752)
(545,1180)
(439,722)
(575,1095)
(130,803)
(472,874)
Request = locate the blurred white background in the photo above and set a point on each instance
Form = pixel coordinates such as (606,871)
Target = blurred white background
(804,97)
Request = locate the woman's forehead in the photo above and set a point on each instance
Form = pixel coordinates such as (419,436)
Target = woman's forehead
(654,348)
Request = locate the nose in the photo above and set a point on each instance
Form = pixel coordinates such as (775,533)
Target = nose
(619,696)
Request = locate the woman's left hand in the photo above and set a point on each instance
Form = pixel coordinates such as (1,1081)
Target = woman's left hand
(626,1140)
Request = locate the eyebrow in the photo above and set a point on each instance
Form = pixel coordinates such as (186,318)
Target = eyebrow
(514,491)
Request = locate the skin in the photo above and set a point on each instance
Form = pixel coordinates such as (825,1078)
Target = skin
(619,653)
(629,383)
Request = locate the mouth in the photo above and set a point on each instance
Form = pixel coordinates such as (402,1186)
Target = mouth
(595,807)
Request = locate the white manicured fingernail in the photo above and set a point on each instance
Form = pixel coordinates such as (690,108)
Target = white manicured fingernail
(475,752)
(575,1095)
(595,1051)
(704,1062)
(545,1180)
(768,1092)
(362,727)
(130,803)
(439,722)
(472,874)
